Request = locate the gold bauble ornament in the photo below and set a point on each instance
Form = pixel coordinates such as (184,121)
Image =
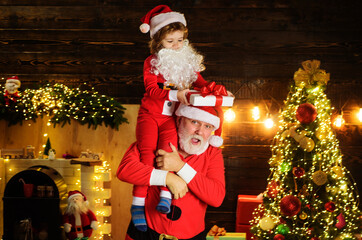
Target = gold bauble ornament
(277,160)
(338,171)
(319,178)
(303,215)
(320,133)
(266,223)
(307,144)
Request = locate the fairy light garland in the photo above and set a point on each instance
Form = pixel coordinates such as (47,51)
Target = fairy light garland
(327,193)
(62,104)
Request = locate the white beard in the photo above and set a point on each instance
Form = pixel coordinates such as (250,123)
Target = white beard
(79,207)
(178,67)
(185,143)
(11,87)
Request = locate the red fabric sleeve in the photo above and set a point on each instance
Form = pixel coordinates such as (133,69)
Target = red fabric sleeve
(200,81)
(209,187)
(131,170)
(151,80)
(91,216)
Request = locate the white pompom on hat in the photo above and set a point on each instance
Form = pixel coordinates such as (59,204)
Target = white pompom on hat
(211,115)
(159,17)
(75,193)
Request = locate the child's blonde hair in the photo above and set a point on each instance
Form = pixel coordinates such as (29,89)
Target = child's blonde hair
(156,42)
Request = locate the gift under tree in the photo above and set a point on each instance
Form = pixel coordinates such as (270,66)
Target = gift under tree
(310,194)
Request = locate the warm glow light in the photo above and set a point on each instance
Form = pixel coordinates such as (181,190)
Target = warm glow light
(339,121)
(269,123)
(229,115)
(359,115)
(255,113)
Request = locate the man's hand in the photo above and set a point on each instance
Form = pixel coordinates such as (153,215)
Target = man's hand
(169,161)
(181,96)
(177,185)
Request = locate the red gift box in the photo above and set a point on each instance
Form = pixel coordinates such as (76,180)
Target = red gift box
(244,212)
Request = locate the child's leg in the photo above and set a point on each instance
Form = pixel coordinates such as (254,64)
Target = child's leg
(146,133)
(138,213)
(167,135)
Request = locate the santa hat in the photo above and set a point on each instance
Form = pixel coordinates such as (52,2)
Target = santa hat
(75,193)
(211,115)
(159,17)
(13,79)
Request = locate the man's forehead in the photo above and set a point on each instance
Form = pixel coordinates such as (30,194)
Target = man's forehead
(206,123)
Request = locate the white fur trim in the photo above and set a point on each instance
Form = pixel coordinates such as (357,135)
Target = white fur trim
(144,28)
(163,19)
(198,114)
(216,141)
(187,173)
(94,225)
(74,195)
(158,177)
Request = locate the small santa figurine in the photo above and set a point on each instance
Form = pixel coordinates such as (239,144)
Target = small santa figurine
(79,221)
(11,89)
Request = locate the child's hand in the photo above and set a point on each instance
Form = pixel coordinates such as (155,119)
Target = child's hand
(181,96)
(230,94)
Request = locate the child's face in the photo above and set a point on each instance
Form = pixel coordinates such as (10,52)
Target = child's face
(174,40)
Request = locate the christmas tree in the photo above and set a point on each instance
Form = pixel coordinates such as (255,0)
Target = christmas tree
(310,194)
(47,147)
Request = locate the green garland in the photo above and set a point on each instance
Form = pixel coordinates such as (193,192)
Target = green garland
(62,104)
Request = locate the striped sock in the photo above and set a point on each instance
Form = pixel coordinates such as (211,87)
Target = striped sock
(164,206)
(138,217)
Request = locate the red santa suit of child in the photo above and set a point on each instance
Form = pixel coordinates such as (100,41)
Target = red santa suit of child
(156,126)
(81,224)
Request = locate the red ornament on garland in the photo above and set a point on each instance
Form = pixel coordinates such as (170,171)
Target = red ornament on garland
(330,206)
(341,222)
(279,237)
(298,172)
(273,188)
(306,113)
(290,205)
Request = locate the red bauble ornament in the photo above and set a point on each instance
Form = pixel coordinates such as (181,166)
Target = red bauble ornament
(315,238)
(298,172)
(330,206)
(273,188)
(341,222)
(306,113)
(290,205)
(279,237)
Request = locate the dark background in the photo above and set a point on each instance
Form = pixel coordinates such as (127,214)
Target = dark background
(251,46)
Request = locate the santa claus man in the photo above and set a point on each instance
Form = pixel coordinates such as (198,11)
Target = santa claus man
(11,89)
(79,221)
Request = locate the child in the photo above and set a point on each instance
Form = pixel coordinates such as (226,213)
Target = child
(169,72)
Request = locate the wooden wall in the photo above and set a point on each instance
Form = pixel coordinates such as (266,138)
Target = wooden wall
(251,46)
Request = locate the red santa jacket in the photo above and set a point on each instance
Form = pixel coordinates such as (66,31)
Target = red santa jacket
(155,99)
(188,213)
(86,219)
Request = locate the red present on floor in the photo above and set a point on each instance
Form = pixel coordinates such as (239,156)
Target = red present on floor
(244,213)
